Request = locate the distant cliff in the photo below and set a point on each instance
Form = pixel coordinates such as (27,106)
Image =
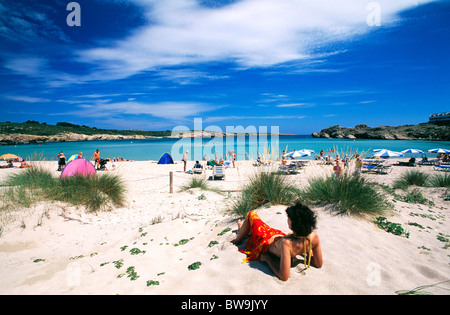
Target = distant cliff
(35,132)
(425,131)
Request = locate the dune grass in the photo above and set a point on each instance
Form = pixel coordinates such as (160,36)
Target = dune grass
(410,178)
(199,182)
(439,180)
(352,195)
(196,182)
(418,178)
(37,184)
(265,187)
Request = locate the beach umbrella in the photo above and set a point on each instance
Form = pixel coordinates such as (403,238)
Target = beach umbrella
(439,150)
(8,156)
(73,157)
(412,151)
(387,153)
(295,154)
(307,151)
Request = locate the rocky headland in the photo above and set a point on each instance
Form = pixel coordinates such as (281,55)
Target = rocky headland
(425,131)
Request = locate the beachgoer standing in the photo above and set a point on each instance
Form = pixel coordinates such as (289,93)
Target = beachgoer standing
(96,156)
(61,161)
(233,158)
(185,158)
(337,169)
(358,165)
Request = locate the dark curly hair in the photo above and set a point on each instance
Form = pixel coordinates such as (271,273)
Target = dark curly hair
(303,219)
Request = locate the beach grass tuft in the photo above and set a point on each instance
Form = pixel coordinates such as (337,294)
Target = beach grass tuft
(199,182)
(353,195)
(440,180)
(265,187)
(411,178)
(196,182)
(418,178)
(37,184)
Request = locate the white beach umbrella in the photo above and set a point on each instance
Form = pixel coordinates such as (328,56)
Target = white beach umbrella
(308,152)
(387,153)
(439,150)
(294,154)
(412,151)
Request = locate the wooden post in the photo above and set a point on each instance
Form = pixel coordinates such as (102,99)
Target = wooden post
(171,182)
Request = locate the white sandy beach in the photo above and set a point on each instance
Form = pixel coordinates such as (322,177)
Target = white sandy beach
(62,249)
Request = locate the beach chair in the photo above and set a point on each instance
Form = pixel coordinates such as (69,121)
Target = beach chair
(197,170)
(377,168)
(444,168)
(218,171)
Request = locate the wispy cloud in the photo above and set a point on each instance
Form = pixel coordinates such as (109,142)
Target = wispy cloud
(27,99)
(251,33)
(247,33)
(171,111)
(213,119)
(296,105)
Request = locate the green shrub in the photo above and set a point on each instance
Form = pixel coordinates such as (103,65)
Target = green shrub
(350,194)
(265,187)
(410,178)
(440,180)
(394,228)
(36,184)
(196,182)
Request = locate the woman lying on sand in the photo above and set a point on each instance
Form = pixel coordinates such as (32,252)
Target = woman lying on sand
(265,240)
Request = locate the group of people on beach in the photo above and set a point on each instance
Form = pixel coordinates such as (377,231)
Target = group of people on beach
(10,163)
(62,161)
(232,155)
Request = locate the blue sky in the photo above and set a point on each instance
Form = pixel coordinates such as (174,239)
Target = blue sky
(302,65)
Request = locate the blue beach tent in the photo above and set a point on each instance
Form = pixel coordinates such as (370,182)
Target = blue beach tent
(166,158)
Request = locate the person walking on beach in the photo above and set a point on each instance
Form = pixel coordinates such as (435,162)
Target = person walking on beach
(265,240)
(96,157)
(185,158)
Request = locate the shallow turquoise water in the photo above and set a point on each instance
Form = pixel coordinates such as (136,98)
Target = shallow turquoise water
(245,147)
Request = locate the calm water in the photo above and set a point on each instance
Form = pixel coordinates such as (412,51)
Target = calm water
(245,147)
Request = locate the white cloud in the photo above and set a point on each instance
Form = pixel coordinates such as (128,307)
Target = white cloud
(27,99)
(250,33)
(295,105)
(253,33)
(172,111)
(213,119)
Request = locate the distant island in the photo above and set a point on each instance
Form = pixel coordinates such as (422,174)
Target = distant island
(424,131)
(31,131)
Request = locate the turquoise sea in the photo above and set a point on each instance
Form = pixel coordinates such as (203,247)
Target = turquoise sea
(245,147)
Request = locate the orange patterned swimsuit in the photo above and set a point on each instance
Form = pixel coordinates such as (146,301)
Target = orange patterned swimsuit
(261,234)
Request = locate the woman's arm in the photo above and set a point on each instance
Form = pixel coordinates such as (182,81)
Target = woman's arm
(283,270)
(316,258)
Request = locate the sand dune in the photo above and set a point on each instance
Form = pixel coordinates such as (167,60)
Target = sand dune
(147,246)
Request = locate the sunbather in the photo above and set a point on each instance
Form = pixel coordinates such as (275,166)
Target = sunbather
(265,240)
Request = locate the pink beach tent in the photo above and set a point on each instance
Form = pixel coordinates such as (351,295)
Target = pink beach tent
(78,167)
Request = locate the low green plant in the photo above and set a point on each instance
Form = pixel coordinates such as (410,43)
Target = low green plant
(350,194)
(152,282)
(37,184)
(411,178)
(440,180)
(394,228)
(416,196)
(263,188)
(195,265)
(196,182)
